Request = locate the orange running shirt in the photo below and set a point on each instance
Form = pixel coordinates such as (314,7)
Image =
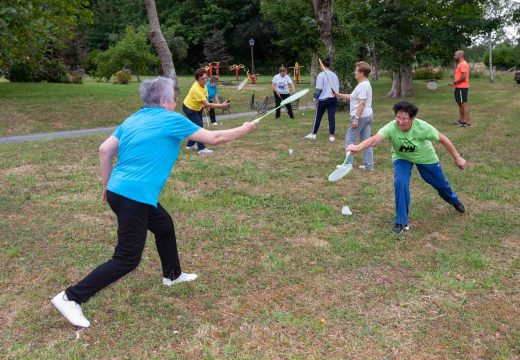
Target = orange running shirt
(462,67)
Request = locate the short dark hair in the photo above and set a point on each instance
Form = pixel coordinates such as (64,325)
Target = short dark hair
(407,107)
(199,73)
(326,61)
(213,79)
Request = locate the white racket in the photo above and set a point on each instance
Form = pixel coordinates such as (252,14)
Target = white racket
(243,83)
(290,99)
(342,170)
(433,85)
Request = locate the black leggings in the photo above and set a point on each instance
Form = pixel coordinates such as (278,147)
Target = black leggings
(278,100)
(134,219)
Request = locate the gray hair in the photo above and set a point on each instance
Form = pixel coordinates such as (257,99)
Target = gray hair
(153,91)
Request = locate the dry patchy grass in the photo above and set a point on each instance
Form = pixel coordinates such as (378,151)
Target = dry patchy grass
(283,275)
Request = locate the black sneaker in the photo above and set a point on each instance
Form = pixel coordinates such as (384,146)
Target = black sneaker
(464,125)
(460,207)
(458,122)
(400,228)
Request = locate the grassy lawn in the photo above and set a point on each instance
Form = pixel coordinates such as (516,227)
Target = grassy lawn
(34,108)
(282,273)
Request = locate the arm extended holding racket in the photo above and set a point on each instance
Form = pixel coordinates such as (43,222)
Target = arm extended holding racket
(223,105)
(371,141)
(222,136)
(459,160)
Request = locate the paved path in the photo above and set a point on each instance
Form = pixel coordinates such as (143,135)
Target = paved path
(104,130)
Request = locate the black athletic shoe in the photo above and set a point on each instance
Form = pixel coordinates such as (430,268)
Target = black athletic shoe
(465,125)
(458,122)
(400,228)
(460,207)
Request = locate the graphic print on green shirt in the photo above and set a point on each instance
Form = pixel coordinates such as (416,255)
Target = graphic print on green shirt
(414,145)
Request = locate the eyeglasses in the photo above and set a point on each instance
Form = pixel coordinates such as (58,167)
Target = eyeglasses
(402,118)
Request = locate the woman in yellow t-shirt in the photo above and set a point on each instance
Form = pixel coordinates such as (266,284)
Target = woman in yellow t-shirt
(193,104)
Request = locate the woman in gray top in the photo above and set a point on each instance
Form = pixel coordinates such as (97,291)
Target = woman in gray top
(361,114)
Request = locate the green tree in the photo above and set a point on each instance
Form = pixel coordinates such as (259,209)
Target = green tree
(215,48)
(298,38)
(131,52)
(505,56)
(31,30)
(110,19)
(405,30)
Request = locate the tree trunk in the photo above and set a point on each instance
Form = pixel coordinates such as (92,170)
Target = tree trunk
(491,77)
(314,67)
(323,10)
(160,44)
(402,85)
(374,62)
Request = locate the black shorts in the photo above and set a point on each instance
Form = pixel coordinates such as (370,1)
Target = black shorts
(461,95)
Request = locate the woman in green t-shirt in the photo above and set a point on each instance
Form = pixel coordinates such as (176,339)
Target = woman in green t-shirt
(411,141)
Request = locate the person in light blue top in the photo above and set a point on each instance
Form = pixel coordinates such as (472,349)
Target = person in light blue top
(147,145)
(211,85)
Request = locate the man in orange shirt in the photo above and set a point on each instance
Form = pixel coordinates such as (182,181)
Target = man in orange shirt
(461,84)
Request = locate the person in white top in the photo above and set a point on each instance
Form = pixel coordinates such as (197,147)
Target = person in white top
(327,85)
(280,84)
(361,114)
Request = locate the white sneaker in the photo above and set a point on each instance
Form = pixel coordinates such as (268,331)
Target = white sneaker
(363,167)
(192,147)
(205,151)
(185,277)
(332,138)
(215,124)
(71,310)
(310,136)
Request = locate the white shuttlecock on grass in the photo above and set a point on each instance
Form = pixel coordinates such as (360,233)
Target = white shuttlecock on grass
(290,151)
(346,210)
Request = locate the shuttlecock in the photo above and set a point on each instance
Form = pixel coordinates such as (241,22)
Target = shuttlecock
(290,151)
(346,210)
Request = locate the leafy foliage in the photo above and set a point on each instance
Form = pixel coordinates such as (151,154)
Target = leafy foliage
(131,52)
(31,30)
(215,48)
(505,56)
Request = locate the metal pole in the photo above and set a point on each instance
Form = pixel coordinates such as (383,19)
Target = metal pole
(252,62)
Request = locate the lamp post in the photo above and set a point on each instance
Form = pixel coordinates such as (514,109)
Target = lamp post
(252,43)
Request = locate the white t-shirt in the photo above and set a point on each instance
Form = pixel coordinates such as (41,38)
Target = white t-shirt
(322,82)
(282,83)
(363,91)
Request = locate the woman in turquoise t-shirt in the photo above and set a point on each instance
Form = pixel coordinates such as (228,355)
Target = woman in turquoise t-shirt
(411,141)
(147,146)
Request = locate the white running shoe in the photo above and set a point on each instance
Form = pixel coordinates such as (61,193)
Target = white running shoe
(71,310)
(192,147)
(310,136)
(332,138)
(363,167)
(185,277)
(205,151)
(215,124)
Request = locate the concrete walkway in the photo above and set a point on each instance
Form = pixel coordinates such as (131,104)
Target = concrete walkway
(104,130)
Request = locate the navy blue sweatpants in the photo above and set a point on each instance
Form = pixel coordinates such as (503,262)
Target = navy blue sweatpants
(431,173)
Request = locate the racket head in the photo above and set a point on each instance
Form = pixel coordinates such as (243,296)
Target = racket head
(340,172)
(242,84)
(294,97)
(432,85)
